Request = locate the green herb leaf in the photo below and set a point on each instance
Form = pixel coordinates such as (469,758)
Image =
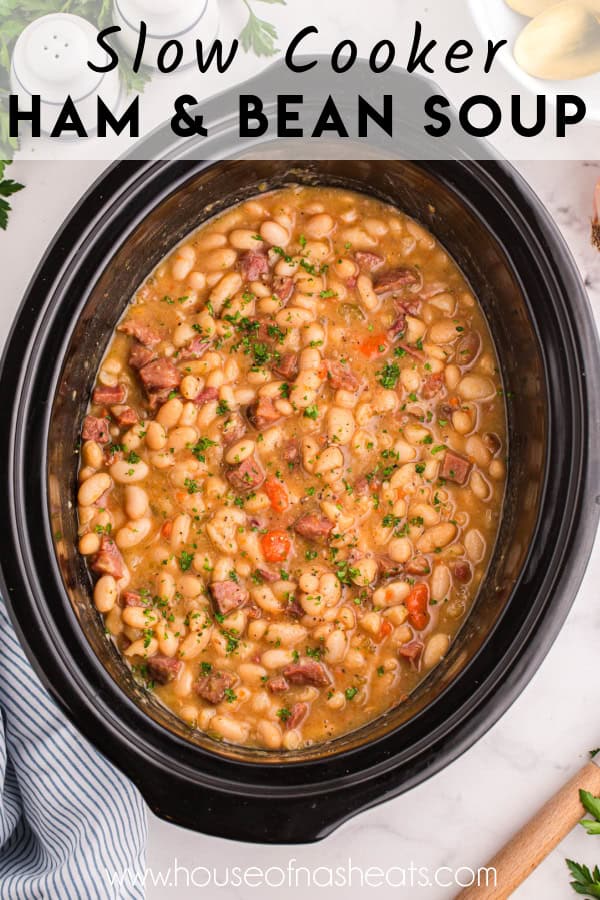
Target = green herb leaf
(592,805)
(389,375)
(185,560)
(258,35)
(586,882)
(8,187)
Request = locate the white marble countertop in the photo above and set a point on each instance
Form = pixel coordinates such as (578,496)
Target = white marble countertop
(463,814)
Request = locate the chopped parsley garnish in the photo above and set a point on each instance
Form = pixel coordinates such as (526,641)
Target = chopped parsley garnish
(389,375)
(185,560)
(350,693)
(391,521)
(199,448)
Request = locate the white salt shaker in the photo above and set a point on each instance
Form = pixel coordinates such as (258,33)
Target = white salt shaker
(50,59)
(183,21)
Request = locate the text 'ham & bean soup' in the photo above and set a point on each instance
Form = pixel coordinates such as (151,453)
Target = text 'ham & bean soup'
(293,468)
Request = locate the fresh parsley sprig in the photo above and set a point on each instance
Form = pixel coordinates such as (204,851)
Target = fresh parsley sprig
(8,187)
(259,35)
(592,805)
(586,882)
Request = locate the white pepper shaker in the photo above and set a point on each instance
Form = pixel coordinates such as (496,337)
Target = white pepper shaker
(50,59)
(184,21)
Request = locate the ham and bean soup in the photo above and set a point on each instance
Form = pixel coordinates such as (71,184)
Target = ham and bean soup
(293,468)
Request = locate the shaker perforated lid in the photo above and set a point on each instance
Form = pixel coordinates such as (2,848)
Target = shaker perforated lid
(50,58)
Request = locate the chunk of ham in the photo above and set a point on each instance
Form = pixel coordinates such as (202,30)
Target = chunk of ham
(157,398)
(278,685)
(398,328)
(132,598)
(308,672)
(461,569)
(267,575)
(95,429)
(293,609)
(432,385)
(145,334)
(254,264)
(263,413)
(369,261)
(234,429)
(124,416)
(108,559)
(396,279)
(388,567)
(163,669)
(313,527)
(455,467)
(140,356)
(206,395)
(161,374)
(291,452)
(108,394)
(419,565)
(212,687)
(287,366)
(341,376)
(283,287)
(196,348)
(468,349)
(297,715)
(411,651)
(227,595)
(247,476)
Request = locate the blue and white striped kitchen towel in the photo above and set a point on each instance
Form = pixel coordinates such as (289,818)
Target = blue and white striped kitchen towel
(67,817)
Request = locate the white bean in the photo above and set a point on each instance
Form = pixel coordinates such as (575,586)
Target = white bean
(92,489)
(136,501)
(274,234)
(436,648)
(133,533)
(125,472)
(105,593)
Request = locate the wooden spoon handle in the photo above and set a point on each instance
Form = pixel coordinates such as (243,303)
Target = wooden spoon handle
(526,850)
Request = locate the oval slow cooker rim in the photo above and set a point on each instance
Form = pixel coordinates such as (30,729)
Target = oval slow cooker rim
(575,578)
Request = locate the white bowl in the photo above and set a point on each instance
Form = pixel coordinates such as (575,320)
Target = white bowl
(496,20)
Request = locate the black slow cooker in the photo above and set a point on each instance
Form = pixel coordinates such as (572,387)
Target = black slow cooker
(536,305)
